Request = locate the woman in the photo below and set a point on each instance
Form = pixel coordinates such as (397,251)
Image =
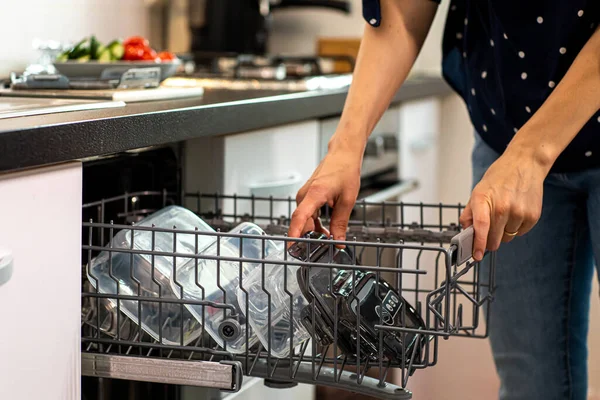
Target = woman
(529,73)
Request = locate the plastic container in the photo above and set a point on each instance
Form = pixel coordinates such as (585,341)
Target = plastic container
(114,272)
(219,282)
(292,304)
(281,317)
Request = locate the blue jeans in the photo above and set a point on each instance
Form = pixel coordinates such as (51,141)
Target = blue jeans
(540,314)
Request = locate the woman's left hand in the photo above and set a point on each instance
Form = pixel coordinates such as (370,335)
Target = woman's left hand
(507,202)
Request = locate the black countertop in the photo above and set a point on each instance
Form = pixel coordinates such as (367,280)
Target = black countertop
(27,142)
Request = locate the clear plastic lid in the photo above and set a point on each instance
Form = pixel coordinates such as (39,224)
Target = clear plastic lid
(218,281)
(149,276)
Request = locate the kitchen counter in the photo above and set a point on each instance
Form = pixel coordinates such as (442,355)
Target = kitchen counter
(32,141)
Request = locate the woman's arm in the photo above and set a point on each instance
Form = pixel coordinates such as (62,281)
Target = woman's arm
(386,55)
(509,197)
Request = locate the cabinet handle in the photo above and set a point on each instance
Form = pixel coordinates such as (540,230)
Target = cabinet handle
(279,188)
(6,265)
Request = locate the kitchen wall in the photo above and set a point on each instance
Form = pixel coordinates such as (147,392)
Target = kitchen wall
(25,20)
(296,30)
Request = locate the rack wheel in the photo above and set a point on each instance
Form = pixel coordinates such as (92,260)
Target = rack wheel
(273,384)
(230,330)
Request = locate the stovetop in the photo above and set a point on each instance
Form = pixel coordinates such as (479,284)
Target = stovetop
(267,72)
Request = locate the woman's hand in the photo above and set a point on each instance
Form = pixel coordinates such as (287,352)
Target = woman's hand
(335,182)
(507,202)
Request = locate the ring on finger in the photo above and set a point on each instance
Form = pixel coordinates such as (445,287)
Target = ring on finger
(511,234)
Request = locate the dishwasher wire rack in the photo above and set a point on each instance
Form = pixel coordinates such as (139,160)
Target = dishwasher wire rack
(414,252)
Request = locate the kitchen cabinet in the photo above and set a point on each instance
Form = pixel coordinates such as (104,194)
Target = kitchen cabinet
(271,162)
(40,306)
(419,149)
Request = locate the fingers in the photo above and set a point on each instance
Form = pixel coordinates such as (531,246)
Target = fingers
(305,211)
(499,218)
(466,217)
(320,228)
(514,225)
(481,211)
(339,218)
(530,217)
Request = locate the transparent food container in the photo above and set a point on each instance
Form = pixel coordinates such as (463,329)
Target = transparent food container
(120,272)
(291,304)
(218,282)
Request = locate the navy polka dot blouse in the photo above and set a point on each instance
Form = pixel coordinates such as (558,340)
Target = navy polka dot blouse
(504,58)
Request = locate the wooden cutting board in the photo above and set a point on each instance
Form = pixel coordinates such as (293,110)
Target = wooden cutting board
(339,47)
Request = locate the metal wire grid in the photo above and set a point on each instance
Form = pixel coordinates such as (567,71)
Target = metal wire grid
(454,296)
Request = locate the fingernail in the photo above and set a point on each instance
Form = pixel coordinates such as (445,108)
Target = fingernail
(478,255)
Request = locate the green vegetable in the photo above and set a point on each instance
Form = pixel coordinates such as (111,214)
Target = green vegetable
(95,48)
(81,49)
(62,57)
(105,56)
(84,58)
(116,49)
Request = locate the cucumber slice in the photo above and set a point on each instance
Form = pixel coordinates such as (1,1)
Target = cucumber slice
(99,52)
(105,56)
(116,49)
(62,57)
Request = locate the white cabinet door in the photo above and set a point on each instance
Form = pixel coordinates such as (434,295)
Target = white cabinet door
(419,148)
(40,306)
(274,162)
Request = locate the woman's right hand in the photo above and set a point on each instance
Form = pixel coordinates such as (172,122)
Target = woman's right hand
(335,182)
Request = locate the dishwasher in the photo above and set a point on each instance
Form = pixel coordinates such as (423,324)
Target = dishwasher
(359,316)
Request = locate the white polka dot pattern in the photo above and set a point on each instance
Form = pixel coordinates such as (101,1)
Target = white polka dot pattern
(509,66)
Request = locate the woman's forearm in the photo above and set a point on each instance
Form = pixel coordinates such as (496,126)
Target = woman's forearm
(570,106)
(386,55)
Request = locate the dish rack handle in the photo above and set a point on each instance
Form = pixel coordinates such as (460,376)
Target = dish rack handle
(463,245)
(224,375)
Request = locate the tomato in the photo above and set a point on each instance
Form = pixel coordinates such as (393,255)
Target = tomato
(149,55)
(166,56)
(134,53)
(136,40)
